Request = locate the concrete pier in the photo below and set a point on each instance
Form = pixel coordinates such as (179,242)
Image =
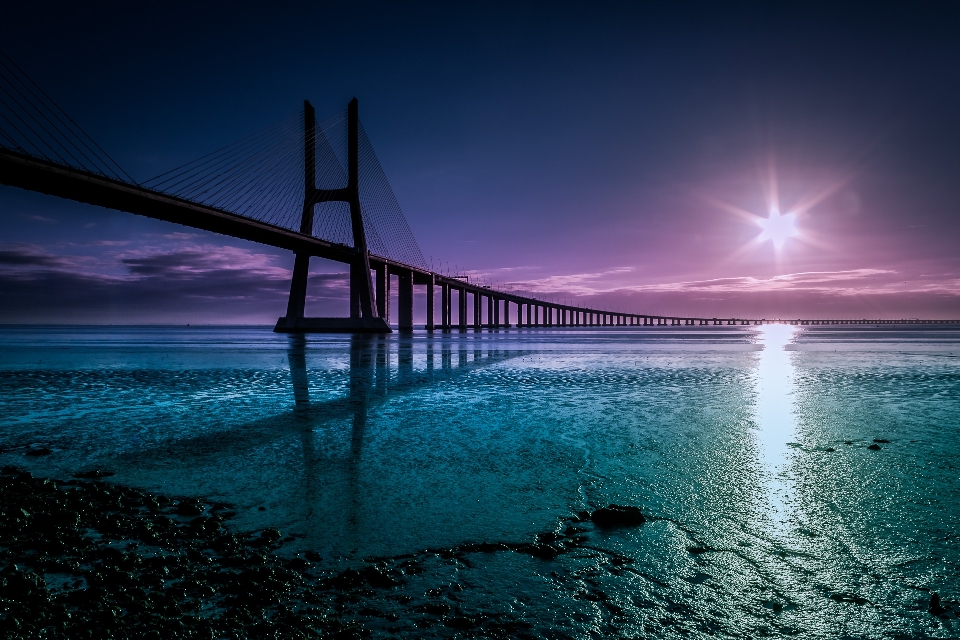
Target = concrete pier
(430,311)
(405,300)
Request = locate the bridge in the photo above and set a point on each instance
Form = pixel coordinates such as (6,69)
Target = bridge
(316,189)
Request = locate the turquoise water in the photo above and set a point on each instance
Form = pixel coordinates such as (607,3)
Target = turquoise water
(747,446)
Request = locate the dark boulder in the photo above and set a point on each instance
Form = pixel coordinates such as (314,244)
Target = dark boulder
(617,515)
(874,447)
(189,508)
(935,607)
(881,441)
(40,451)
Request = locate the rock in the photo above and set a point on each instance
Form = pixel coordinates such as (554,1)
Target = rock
(550,536)
(270,535)
(189,508)
(829,450)
(377,578)
(881,441)
(874,447)
(616,515)
(348,579)
(848,442)
(541,551)
(935,608)
(40,451)
(461,622)
(93,474)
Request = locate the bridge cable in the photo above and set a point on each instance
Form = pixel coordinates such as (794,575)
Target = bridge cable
(36,105)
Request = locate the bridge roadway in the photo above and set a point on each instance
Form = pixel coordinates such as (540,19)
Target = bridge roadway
(27,172)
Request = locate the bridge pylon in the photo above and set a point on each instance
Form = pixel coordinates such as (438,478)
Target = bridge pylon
(364,316)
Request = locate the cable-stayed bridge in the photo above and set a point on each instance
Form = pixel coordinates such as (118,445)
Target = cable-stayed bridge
(314,188)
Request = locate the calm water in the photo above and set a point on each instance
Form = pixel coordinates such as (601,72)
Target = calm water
(748,446)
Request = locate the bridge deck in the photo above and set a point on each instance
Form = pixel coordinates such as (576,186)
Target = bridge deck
(27,172)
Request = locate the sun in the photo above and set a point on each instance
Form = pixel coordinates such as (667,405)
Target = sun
(777,228)
(781,229)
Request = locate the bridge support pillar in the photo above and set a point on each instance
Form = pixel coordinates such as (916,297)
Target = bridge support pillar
(445,307)
(405,300)
(490,303)
(477,310)
(364,317)
(496,313)
(383,292)
(298,286)
(430,310)
(462,309)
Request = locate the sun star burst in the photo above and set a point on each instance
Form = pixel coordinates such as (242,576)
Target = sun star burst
(777,228)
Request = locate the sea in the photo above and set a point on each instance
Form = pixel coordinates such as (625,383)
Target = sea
(797,481)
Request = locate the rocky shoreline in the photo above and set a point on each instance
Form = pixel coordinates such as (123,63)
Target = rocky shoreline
(87,558)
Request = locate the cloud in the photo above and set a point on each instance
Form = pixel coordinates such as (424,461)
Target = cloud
(843,293)
(837,282)
(197,282)
(25,256)
(200,261)
(848,282)
(574,284)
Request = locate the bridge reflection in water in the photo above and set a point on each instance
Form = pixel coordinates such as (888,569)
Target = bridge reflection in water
(373,380)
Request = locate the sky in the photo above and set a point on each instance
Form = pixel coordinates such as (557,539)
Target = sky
(670,158)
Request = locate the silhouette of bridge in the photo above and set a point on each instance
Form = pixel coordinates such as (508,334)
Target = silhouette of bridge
(316,189)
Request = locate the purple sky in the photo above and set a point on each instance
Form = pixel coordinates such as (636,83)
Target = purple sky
(598,154)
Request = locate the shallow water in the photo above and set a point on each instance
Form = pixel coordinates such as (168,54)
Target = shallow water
(765,521)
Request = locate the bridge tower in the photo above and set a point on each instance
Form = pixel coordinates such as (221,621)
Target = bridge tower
(364,316)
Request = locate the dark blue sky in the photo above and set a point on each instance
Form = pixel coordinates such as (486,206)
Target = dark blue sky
(585,151)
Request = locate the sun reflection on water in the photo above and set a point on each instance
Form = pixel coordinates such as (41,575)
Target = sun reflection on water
(775,416)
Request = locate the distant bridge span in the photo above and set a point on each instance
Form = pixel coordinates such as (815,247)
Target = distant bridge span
(42,150)
(35,174)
